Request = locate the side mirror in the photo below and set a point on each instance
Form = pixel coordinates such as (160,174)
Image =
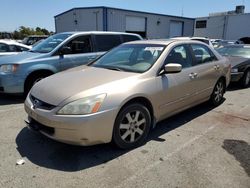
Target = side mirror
(172,68)
(65,50)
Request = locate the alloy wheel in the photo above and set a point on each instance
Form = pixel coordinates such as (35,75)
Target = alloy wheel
(132,126)
(247,80)
(218,92)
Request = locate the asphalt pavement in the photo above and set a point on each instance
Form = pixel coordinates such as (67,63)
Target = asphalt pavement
(200,147)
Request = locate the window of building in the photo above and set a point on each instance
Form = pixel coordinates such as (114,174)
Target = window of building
(201,24)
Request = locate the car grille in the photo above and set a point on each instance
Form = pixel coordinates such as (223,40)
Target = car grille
(40,127)
(37,103)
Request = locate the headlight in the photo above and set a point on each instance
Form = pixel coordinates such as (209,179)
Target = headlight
(83,106)
(235,70)
(8,68)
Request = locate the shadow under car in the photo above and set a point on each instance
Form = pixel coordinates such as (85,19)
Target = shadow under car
(48,153)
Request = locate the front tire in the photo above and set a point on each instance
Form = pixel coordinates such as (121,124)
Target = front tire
(218,93)
(245,81)
(132,126)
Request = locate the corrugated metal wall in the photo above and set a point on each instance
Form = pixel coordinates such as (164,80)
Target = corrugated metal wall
(157,26)
(228,27)
(214,29)
(87,20)
(238,26)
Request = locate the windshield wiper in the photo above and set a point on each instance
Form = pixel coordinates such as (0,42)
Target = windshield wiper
(113,68)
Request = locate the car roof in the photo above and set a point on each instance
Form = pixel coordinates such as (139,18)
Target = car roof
(237,46)
(37,36)
(164,41)
(98,32)
(190,38)
(13,42)
(8,41)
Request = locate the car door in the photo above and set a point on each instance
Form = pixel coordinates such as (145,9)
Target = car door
(206,70)
(80,52)
(176,88)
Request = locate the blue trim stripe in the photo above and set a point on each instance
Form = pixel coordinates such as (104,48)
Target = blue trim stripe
(105,19)
(103,7)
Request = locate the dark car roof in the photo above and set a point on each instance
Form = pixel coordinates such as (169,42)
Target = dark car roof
(237,46)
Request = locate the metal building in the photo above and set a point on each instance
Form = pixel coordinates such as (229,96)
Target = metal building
(149,25)
(231,25)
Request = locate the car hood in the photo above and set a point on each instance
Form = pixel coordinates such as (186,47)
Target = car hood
(20,58)
(237,61)
(88,80)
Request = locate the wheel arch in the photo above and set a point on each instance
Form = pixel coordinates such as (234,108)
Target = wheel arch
(34,72)
(141,100)
(223,78)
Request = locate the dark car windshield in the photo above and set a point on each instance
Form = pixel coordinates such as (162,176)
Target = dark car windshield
(50,43)
(131,57)
(239,51)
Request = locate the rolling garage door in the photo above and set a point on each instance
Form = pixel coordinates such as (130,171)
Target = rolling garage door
(176,29)
(136,25)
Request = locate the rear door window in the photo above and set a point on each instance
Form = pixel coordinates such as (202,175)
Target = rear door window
(128,38)
(21,49)
(202,54)
(13,48)
(107,42)
(4,47)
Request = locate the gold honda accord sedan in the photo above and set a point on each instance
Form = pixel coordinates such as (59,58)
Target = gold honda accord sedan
(122,95)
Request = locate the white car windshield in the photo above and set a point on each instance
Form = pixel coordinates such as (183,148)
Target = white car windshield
(131,57)
(50,43)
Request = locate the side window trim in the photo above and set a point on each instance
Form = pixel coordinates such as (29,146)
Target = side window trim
(194,59)
(186,46)
(188,53)
(212,55)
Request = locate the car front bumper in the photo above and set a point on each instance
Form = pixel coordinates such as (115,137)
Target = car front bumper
(77,130)
(235,77)
(10,83)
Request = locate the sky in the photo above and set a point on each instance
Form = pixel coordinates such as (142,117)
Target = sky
(40,13)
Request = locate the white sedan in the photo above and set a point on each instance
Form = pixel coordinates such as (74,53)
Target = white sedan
(11,47)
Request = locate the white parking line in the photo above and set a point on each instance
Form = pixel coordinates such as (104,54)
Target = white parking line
(148,168)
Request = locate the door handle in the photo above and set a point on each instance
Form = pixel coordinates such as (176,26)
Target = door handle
(193,75)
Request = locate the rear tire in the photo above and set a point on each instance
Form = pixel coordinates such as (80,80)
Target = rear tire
(32,80)
(132,126)
(218,93)
(245,80)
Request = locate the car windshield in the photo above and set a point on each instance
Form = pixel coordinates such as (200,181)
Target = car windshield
(235,51)
(131,57)
(50,43)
